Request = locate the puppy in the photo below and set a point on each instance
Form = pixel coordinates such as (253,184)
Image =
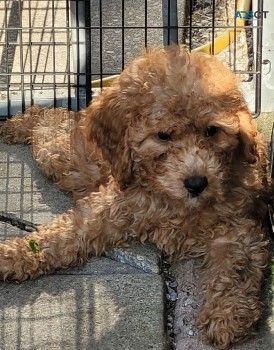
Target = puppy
(168,154)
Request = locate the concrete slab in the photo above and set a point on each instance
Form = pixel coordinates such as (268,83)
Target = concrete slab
(100,267)
(83,312)
(144,257)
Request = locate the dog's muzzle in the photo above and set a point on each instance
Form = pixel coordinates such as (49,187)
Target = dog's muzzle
(195,185)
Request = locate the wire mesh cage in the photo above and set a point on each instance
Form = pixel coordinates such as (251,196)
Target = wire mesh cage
(60,52)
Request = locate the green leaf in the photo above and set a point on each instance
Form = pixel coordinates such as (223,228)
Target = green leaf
(34,246)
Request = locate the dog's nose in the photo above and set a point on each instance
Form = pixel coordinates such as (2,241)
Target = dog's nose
(195,184)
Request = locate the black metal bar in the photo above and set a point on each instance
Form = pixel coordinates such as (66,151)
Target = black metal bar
(77,53)
(68,46)
(88,90)
(123,34)
(190,24)
(7,64)
(272,154)
(101,43)
(54,52)
(234,42)
(30,55)
(258,64)
(213,29)
(170,21)
(94,74)
(78,32)
(120,27)
(146,26)
(8,52)
(21,56)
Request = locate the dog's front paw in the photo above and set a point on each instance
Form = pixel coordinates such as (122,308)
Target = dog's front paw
(216,330)
(19,260)
(12,261)
(226,324)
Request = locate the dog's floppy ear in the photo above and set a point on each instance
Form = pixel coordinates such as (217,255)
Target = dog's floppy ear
(248,136)
(108,119)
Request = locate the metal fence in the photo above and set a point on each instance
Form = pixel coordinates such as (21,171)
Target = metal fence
(60,52)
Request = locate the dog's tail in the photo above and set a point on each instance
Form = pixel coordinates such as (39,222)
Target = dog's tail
(18,129)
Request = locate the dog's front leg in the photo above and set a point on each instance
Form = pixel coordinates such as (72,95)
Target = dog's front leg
(94,227)
(232,284)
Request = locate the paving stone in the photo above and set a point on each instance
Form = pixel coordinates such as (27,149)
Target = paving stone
(83,312)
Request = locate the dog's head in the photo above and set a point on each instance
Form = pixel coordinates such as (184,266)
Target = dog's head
(173,122)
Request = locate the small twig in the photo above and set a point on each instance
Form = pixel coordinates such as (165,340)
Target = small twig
(20,223)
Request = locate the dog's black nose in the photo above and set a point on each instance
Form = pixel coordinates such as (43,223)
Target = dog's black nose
(195,184)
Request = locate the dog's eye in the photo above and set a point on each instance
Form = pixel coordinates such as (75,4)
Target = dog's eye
(211,131)
(163,136)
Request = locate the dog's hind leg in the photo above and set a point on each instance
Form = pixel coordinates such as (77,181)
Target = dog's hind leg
(18,129)
(59,148)
(48,132)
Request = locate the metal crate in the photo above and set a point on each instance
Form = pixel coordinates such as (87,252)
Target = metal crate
(60,52)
